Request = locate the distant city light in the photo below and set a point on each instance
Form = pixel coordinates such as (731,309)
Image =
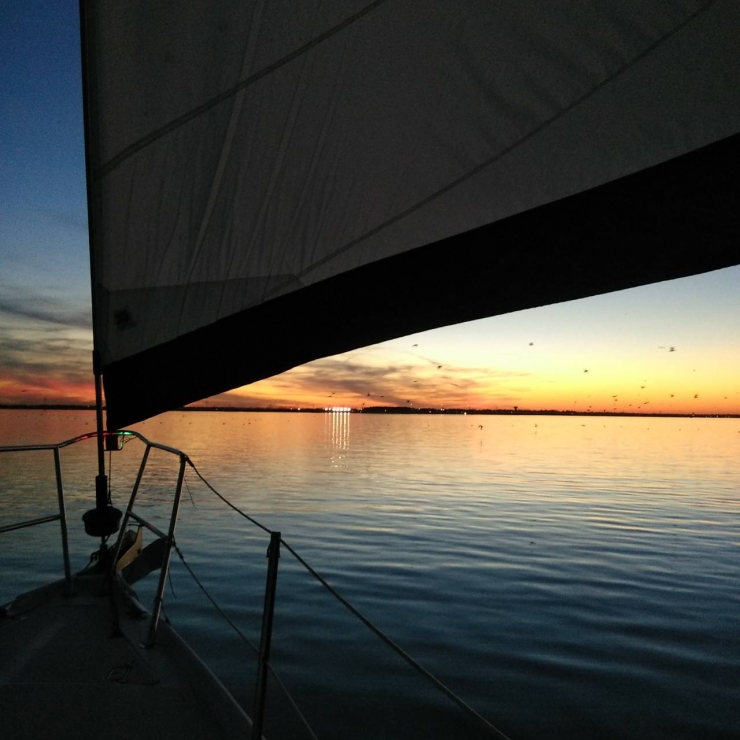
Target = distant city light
(338,409)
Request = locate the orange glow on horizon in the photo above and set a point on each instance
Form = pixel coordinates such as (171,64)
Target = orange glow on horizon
(670,348)
(46,390)
(603,386)
(533,394)
(532,376)
(672,396)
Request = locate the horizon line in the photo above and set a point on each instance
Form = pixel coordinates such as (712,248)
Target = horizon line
(381,409)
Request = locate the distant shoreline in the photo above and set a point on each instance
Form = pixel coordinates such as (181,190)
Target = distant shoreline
(381,410)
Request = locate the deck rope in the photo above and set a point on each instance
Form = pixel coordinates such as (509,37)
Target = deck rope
(228,503)
(213,601)
(236,629)
(292,701)
(460,703)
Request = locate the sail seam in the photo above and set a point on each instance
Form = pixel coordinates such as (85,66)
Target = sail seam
(226,145)
(499,155)
(150,138)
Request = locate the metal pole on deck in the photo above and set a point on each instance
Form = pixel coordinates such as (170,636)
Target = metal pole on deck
(101,481)
(63,521)
(169,542)
(273,556)
(127,515)
(103,520)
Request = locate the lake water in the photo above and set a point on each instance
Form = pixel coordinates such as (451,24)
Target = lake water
(568,577)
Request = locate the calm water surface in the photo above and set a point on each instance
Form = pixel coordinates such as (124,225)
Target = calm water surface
(568,577)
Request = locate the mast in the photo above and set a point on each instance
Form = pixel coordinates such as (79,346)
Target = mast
(104,519)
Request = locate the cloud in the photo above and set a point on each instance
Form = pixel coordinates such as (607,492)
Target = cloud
(45,352)
(360,378)
(45,308)
(66,362)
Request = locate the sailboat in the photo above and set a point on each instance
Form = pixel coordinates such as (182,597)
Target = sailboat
(271,183)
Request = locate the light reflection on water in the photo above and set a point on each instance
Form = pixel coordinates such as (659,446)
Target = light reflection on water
(569,577)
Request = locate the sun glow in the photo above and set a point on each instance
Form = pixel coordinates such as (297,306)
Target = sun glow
(622,353)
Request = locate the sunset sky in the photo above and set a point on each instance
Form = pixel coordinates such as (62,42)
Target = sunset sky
(672,347)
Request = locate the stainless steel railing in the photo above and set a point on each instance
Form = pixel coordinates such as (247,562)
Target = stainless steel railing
(169,543)
(61,517)
(168,537)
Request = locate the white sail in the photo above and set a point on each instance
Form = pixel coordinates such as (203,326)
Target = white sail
(271,182)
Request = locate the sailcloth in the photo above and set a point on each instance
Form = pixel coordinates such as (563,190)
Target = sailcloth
(273,182)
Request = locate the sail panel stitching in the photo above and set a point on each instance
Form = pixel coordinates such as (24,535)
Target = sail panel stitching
(150,138)
(499,155)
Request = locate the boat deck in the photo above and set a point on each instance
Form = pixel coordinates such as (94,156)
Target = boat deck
(63,673)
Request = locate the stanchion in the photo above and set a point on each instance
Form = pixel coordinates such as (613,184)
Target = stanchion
(273,555)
